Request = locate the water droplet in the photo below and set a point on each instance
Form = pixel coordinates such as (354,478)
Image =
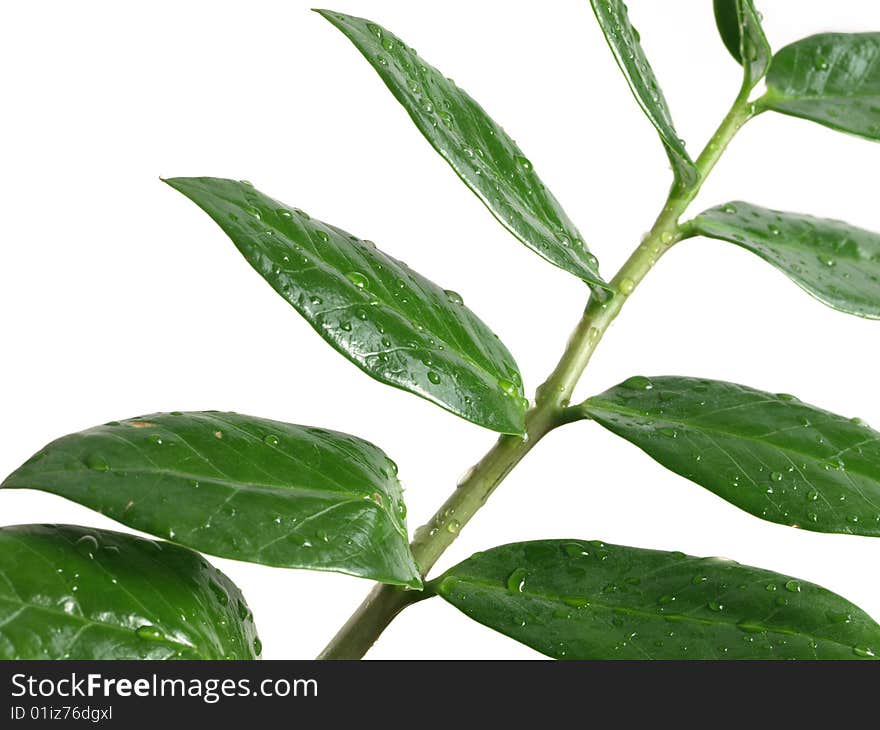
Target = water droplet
(270,439)
(507,387)
(358,279)
(516,581)
(454,297)
(242,609)
(667,237)
(793,586)
(96,462)
(453,526)
(524,163)
(433,377)
(150,633)
(715,606)
(776,476)
(730,209)
(626,286)
(258,646)
(826,260)
(863,651)
(750,627)
(219,593)
(574,550)
(637,382)
(87,544)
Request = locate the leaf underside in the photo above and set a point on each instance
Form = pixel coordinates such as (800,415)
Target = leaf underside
(837,263)
(390,321)
(71,592)
(481,153)
(770,455)
(575,599)
(238,487)
(624,41)
(832,79)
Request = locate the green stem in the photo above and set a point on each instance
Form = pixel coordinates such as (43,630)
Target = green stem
(550,410)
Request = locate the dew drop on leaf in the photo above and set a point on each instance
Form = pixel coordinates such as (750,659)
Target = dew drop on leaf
(358,279)
(96,462)
(516,582)
(637,382)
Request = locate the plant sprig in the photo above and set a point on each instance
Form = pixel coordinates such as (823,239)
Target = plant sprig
(298,496)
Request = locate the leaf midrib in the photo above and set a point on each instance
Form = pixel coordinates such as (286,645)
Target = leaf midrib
(235,486)
(725,232)
(564,258)
(330,271)
(623,411)
(560,601)
(102,624)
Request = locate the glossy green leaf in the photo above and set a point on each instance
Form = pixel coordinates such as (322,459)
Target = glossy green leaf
(739,24)
(238,487)
(487,160)
(573,599)
(71,592)
(832,79)
(394,324)
(835,262)
(771,455)
(624,41)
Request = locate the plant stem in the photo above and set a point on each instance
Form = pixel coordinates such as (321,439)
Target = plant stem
(384,602)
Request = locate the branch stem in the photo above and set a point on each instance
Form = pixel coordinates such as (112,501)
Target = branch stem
(550,410)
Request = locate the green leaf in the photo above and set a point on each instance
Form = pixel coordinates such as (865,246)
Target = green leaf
(487,160)
(624,41)
(71,592)
(394,324)
(771,455)
(238,487)
(832,79)
(835,262)
(740,27)
(573,599)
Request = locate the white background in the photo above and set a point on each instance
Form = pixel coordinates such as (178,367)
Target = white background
(119,297)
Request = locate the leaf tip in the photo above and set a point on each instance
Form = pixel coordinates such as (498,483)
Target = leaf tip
(330,15)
